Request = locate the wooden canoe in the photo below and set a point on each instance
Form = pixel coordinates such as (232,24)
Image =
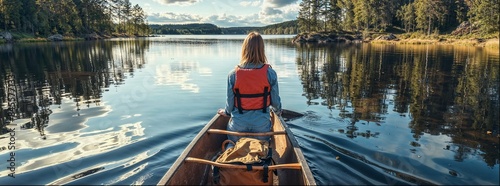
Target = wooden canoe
(194,165)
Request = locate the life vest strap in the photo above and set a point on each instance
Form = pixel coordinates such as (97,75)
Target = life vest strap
(252,95)
(238,100)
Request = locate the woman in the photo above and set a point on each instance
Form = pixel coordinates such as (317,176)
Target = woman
(251,88)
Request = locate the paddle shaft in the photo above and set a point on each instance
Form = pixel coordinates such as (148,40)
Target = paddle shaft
(218,131)
(270,167)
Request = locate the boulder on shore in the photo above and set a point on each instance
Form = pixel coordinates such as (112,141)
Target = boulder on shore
(92,36)
(7,36)
(55,37)
(389,37)
(465,28)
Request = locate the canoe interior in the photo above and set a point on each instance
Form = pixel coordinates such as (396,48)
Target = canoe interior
(207,146)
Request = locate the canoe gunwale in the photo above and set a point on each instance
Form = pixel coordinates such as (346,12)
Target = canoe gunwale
(306,171)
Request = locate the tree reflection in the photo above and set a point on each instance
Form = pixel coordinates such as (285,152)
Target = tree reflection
(36,76)
(445,90)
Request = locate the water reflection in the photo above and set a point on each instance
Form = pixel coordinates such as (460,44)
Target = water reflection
(35,76)
(103,99)
(177,74)
(444,90)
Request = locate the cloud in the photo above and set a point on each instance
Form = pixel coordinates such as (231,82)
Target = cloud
(271,12)
(278,3)
(172,18)
(268,11)
(232,20)
(276,11)
(177,2)
(250,3)
(279,7)
(219,20)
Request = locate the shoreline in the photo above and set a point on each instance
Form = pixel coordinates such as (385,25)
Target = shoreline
(488,43)
(389,38)
(319,38)
(7,37)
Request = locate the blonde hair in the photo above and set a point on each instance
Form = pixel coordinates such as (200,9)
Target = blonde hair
(252,50)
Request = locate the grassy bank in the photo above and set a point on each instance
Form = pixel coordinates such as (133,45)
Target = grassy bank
(488,43)
(487,40)
(396,36)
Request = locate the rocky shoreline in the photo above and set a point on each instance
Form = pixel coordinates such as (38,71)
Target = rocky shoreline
(306,38)
(329,38)
(455,37)
(9,38)
(324,38)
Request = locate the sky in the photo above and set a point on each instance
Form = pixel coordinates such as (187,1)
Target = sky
(223,13)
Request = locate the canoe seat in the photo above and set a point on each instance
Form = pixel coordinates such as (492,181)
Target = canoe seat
(219,131)
(223,165)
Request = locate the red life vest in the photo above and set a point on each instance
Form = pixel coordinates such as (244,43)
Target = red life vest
(252,89)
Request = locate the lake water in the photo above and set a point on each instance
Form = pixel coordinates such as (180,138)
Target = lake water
(121,111)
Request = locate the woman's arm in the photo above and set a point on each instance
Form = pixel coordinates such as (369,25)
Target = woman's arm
(230,94)
(275,96)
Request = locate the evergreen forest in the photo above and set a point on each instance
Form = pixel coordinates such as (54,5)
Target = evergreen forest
(41,18)
(422,16)
(72,17)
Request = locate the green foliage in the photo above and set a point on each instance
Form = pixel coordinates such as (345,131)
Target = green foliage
(366,33)
(407,16)
(304,16)
(362,14)
(288,27)
(195,28)
(347,15)
(485,14)
(17,35)
(424,16)
(430,13)
(71,17)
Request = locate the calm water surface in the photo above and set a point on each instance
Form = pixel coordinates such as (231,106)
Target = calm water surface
(121,111)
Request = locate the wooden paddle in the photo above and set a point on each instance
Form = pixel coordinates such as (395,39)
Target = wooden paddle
(290,115)
(271,167)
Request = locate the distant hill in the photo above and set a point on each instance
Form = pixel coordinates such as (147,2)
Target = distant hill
(288,27)
(238,30)
(189,29)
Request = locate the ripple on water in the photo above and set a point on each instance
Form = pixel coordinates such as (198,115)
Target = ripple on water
(337,159)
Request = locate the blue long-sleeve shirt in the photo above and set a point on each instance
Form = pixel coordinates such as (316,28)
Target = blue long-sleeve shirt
(252,117)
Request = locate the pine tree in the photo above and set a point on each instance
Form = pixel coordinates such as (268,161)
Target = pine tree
(11,14)
(305,16)
(430,14)
(347,15)
(407,16)
(484,13)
